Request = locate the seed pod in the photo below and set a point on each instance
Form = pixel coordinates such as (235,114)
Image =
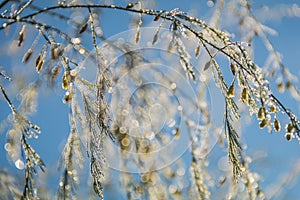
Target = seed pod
(39,63)
(67,97)
(289,128)
(155,37)
(263,123)
(197,50)
(288,84)
(272,73)
(22,35)
(27,55)
(276,124)
(55,72)
(222,181)
(261,113)
(38,60)
(232,68)
(288,136)
(230,92)
(280,87)
(244,97)
(259,193)
(65,82)
(207,65)
(83,28)
(53,54)
(177,133)
(156,18)
(170,47)
(273,109)
(56,52)
(39,66)
(138,33)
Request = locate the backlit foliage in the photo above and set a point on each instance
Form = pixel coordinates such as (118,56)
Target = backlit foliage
(117,98)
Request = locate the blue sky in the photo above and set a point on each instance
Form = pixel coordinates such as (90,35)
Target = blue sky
(275,156)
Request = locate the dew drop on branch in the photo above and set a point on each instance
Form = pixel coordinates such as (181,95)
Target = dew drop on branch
(19,164)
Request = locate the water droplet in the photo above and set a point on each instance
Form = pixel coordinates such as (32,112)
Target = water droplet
(125,142)
(172,189)
(150,135)
(7,146)
(98,31)
(135,123)
(61,183)
(68,187)
(180,171)
(180,108)
(19,164)
(171,123)
(76,40)
(125,112)
(223,163)
(122,129)
(210,3)
(81,51)
(173,86)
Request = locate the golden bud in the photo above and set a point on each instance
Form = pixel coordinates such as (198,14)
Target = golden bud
(39,63)
(273,109)
(244,97)
(230,92)
(232,68)
(67,97)
(288,136)
(276,124)
(22,35)
(65,82)
(38,59)
(83,28)
(263,123)
(261,113)
(288,84)
(280,87)
(27,55)
(290,128)
(197,50)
